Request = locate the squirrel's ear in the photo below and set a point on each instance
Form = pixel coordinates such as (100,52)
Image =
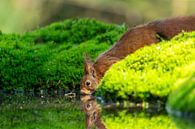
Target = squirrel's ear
(90,120)
(88,64)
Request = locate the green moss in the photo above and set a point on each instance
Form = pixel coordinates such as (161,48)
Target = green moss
(53,56)
(150,71)
(183,98)
(76,31)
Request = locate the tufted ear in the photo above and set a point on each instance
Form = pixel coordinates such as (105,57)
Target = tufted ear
(88,65)
(90,119)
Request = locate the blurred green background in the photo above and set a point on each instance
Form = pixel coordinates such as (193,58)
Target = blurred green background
(24,15)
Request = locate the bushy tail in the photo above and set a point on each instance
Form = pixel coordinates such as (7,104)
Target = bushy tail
(170,27)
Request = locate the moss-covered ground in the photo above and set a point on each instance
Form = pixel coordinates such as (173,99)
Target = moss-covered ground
(151,71)
(52,56)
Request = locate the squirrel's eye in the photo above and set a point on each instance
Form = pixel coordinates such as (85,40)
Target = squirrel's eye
(88,83)
(88,106)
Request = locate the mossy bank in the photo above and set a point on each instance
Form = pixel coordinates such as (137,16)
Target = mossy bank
(151,71)
(52,56)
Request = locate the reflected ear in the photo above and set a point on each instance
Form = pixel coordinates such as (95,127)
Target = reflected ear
(88,122)
(88,65)
(91,120)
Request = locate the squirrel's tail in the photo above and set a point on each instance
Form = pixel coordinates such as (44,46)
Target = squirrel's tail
(168,28)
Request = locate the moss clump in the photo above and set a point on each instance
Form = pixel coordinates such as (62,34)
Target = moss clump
(150,71)
(76,31)
(183,98)
(53,56)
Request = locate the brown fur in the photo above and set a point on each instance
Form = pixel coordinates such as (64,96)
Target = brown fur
(132,40)
(92,112)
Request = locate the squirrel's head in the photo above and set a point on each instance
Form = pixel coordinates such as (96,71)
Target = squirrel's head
(89,81)
(92,111)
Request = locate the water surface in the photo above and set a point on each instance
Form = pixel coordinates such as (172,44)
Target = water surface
(62,112)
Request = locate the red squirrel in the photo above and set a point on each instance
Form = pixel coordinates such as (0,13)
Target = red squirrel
(130,41)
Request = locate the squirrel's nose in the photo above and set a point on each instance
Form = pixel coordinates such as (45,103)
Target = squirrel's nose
(88,83)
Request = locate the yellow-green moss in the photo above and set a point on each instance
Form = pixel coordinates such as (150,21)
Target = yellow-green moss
(150,71)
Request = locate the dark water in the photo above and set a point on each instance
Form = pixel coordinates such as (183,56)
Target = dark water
(65,111)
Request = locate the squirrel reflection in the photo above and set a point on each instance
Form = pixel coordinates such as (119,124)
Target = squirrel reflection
(92,112)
